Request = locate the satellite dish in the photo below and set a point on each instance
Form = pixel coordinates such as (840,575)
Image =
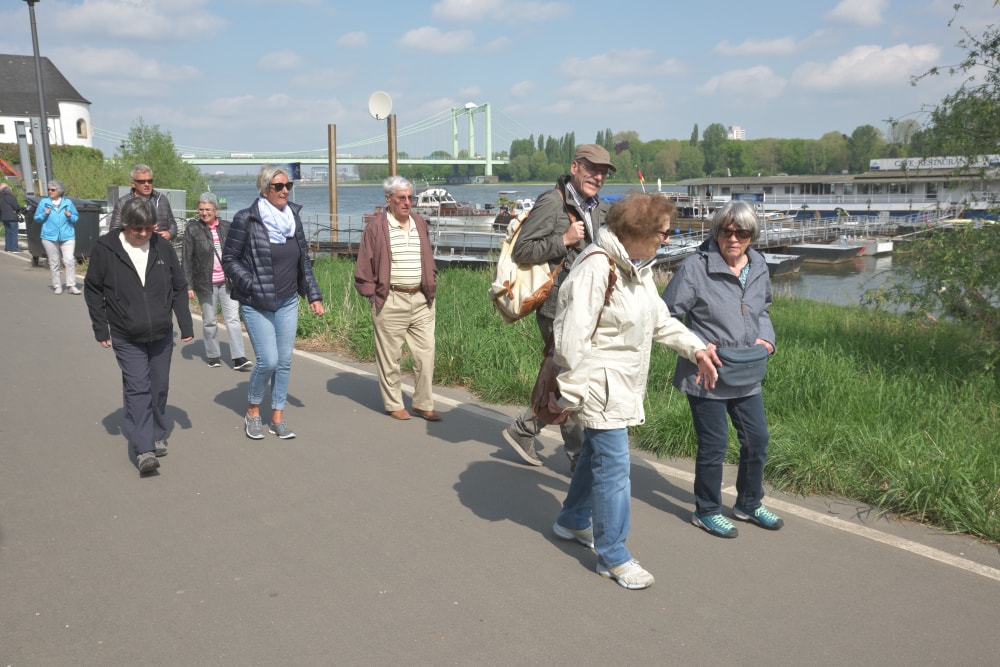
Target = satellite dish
(379,105)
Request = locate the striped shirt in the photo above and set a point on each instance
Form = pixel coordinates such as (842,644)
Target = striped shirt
(404,248)
(586,206)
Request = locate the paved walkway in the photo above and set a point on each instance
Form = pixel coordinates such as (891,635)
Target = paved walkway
(368,541)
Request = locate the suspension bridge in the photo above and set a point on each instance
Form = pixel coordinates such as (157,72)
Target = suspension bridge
(450,137)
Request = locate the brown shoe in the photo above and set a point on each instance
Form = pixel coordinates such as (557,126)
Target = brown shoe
(429,415)
(402,415)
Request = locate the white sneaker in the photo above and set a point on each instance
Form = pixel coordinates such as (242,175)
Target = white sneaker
(58,290)
(73,289)
(584,536)
(628,575)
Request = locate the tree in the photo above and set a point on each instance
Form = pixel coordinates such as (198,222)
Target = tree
(691,163)
(147,144)
(694,136)
(711,146)
(958,273)
(864,144)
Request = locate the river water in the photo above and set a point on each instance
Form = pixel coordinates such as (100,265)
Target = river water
(841,284)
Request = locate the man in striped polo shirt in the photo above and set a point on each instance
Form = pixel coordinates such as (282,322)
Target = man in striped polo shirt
(397,274)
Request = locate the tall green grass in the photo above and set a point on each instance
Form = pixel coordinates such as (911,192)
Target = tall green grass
(896,411)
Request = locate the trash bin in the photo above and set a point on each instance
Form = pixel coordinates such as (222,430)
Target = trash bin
(87,228)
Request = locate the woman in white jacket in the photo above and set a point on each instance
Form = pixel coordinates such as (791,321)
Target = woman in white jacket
(603,351)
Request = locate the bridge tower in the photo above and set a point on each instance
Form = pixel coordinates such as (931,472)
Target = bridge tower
(470,110)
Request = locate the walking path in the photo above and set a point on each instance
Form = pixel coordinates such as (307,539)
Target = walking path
(369,541)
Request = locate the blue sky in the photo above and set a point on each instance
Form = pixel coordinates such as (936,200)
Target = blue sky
(250,75)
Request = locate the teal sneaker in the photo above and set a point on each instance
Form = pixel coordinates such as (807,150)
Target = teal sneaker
(761,516)
(716,524)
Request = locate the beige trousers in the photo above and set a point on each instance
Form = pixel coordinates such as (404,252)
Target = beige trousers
(404,318)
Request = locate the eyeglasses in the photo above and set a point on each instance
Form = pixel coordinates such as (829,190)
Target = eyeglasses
(664,234)
(141,230)
(278,187)
(403,197)
(741,234)
(594,169)
(53,190)
(142,181)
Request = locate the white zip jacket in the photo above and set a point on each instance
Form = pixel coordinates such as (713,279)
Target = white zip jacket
(603,378)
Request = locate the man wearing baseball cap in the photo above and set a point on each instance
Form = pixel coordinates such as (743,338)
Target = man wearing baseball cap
(563,222)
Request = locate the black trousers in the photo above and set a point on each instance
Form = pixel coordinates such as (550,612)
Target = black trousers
(145,383)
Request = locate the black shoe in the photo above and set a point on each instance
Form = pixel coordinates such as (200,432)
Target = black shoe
(242,364)
(214,362)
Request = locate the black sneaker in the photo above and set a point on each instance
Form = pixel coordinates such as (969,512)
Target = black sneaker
(242,364)
(214,362)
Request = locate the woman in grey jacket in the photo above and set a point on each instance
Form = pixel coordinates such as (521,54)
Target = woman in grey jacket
(723,293)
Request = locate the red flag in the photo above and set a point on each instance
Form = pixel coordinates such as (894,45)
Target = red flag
(641,179)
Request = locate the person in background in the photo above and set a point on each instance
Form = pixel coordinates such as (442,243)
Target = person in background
(396,272)
(8,214)
(134,288)
(603,353)
(562,223)
(58,216)
(723,293)
(266,258)
(203,241)
(142,186)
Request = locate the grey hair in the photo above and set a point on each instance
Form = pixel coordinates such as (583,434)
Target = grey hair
(138,212)
(266,175)
(740,214)
(4,187)
(393,183)
(209,198)
(60,188)
(141,169)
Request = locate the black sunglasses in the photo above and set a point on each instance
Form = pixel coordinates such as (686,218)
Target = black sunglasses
(278,187)
(741,234)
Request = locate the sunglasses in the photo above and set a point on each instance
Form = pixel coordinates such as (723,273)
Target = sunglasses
(142,181)
(278,187)
(664,234)
(741,234)
(53,190)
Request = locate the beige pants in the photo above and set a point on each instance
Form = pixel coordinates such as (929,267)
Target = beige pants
(404,318)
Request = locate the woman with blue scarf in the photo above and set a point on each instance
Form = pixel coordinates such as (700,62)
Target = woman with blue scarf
(266,259)
(58,217)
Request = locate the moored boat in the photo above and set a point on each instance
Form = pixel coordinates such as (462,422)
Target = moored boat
(781,264)
(825,253)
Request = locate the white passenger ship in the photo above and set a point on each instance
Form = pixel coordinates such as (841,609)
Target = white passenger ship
(937,187)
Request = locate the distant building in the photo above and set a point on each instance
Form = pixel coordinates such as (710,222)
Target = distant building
(67,111)
(736,132)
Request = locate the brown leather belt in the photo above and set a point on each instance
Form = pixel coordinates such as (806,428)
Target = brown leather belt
(405,290)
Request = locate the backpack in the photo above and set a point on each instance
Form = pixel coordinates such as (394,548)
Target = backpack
(520,289)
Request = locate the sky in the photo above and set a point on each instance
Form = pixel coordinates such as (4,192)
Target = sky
(255,75)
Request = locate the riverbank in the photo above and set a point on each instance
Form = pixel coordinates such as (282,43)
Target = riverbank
(894,411)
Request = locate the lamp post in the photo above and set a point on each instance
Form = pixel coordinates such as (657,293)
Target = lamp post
(44,131)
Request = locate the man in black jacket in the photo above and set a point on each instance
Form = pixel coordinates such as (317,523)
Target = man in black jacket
(134,288)
(8,214)
(563,222)
(142,186)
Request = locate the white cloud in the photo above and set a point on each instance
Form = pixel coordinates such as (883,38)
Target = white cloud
(103,69)
(522,88)
(860,13)
(354,40)
(433,40)
(616,64)
(160,21)
(867,67)
(520,13)
(278,61)
(756,82)
(761,47)
(498,45)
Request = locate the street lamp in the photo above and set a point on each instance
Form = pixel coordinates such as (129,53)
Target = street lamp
(44,131)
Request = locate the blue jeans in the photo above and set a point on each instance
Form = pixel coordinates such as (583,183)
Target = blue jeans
(601,488)
(710,424)
(272,334)
(10,235)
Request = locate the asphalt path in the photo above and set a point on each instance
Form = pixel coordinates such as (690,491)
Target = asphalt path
(369,541)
